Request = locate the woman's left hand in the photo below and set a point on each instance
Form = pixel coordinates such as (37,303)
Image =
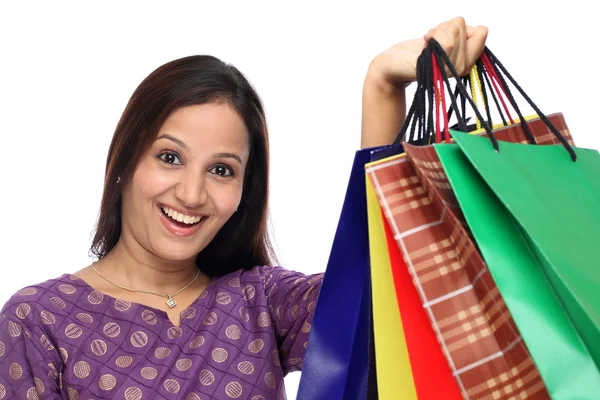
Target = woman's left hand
(384,103)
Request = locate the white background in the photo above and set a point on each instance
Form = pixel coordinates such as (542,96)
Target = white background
(67,70)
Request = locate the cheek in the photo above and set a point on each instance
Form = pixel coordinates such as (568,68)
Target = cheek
(148,182)
(226,198)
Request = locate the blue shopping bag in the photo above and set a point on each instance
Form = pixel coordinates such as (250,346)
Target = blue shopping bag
(339,360)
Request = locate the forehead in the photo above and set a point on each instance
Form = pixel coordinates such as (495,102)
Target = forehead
(208,125)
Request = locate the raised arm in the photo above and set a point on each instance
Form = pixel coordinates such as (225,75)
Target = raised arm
(384,99)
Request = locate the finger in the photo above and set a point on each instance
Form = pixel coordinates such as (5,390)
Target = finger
(428,35)
(444,25)
(448,35)
(461,52)
(476,38)
(445,35)
(476,30)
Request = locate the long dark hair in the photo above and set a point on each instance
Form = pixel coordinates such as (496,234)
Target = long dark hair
(243,242)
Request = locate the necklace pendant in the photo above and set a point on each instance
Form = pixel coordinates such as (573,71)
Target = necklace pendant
(171,301)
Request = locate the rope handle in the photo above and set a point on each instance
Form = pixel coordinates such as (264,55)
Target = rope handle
(475,86)
(437,49)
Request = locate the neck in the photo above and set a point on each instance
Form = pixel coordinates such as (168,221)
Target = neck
(144,271)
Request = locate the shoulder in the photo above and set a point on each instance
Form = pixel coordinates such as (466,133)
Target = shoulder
(268,275)
(30,318)
(32,300)
(275,284)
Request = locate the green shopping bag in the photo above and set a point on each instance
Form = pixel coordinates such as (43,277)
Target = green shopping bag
(535,215)
(518,269)
(556,202)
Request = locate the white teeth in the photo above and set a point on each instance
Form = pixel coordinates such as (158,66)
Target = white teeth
(177,216)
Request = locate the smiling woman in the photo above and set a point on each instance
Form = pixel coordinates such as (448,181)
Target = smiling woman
(184,300)
(184,276)
(187,123)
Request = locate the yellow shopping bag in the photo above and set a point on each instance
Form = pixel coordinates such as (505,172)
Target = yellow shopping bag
(394,374)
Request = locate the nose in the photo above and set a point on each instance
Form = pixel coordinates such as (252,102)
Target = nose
(191,190)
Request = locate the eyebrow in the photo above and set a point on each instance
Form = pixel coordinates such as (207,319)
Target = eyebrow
(173,139)
(184,146)
(229,155)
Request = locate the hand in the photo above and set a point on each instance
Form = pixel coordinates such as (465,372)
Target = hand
(463,44)
(384,101)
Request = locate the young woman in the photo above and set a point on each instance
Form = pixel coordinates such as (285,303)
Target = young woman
(184,301)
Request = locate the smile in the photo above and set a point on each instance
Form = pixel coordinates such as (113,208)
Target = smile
(179,217)
(179,223)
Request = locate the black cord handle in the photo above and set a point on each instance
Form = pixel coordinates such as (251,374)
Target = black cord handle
(421,121)
(494,60)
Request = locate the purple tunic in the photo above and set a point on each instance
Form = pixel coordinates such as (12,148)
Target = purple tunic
(62,339)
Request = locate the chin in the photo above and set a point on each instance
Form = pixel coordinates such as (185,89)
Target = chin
(174,253)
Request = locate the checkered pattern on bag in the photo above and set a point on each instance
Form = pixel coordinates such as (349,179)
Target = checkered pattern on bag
(431,173)
(474,327)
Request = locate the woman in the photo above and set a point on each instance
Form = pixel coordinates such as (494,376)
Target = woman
(183,301)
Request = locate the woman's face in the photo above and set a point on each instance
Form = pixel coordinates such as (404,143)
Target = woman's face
(188,184)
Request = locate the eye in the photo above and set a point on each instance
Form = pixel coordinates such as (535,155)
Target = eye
(170,158)
(222,170)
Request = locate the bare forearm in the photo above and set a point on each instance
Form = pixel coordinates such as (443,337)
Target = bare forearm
(383,112)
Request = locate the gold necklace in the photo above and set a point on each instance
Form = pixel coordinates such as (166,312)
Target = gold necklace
(170,297)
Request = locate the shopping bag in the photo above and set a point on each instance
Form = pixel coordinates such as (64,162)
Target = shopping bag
(337,360)
(394,373)
(560,354)
(572,269)
(516,265)
(475,330)
(553,198)
(338,364)
(426,358)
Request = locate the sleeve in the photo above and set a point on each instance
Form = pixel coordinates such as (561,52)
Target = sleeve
(27,370)
(291,298)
